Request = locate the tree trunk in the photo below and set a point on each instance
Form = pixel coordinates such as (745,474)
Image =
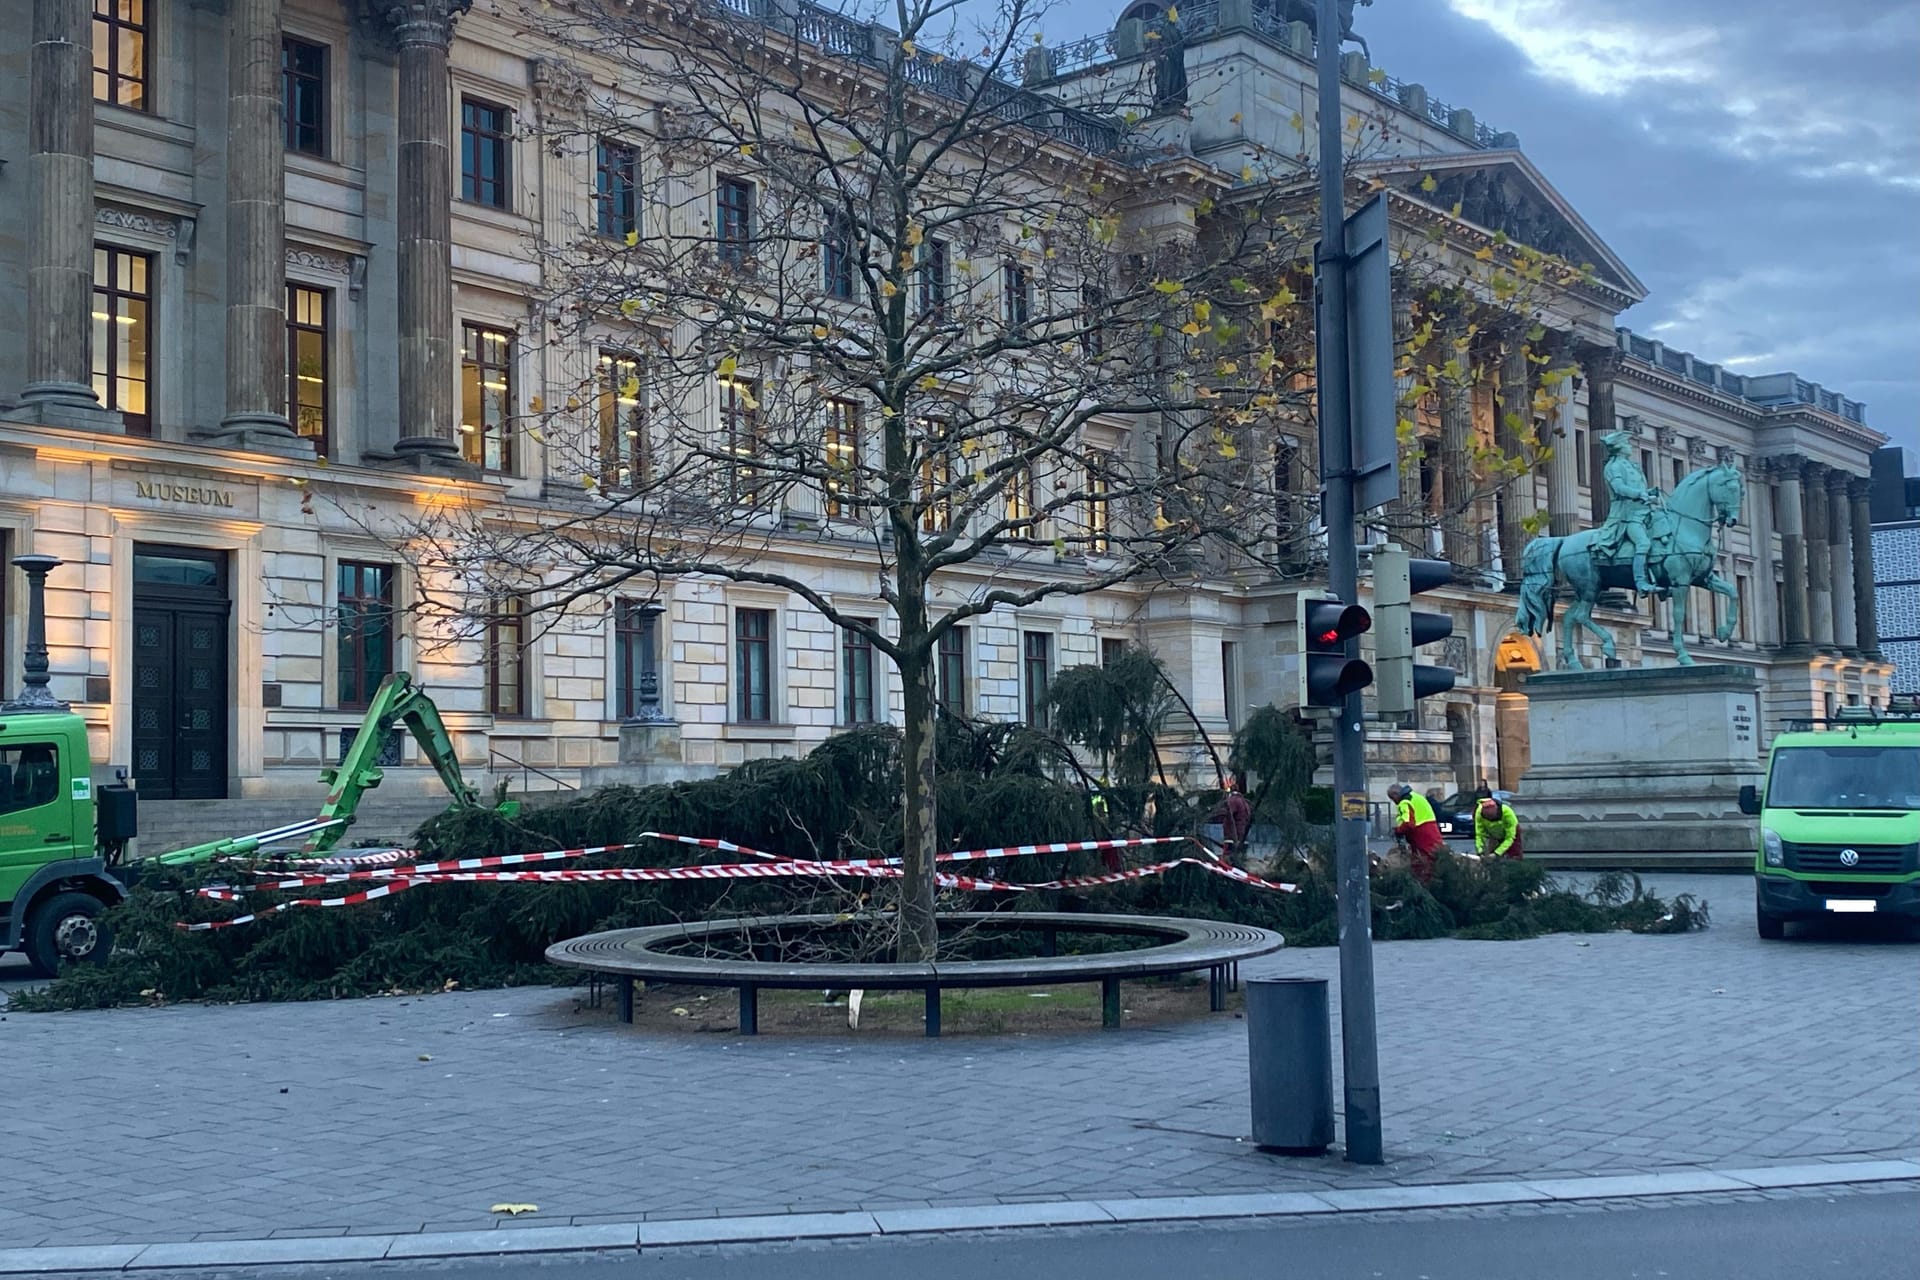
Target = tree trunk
(920,824)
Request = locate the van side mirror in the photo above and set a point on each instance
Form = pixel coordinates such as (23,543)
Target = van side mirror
(1750,800)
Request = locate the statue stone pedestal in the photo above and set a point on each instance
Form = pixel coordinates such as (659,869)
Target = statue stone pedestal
(1641,768)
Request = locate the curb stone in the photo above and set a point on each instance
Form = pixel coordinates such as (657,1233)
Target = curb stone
(669,1233)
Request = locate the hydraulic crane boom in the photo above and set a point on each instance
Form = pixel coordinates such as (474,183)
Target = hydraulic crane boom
(397,700)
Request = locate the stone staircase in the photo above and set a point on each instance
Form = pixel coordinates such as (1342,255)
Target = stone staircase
(173,824)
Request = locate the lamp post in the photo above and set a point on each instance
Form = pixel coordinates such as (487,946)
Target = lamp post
(34,694)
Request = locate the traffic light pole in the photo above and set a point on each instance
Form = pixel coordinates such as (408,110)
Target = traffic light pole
(1358,1043)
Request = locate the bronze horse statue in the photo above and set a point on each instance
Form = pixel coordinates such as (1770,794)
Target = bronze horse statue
(1682,556)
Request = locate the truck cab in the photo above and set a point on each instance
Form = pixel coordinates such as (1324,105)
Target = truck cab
(1839,820)
(54,878)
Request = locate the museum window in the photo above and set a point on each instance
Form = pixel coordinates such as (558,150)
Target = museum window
(1036,660)
(123,335)
(753,665)
(840,443)
(743,435)
(308,377)
(1018,284)
(121,53)
(1230,681)
(950,677)
(303,95)
(1111,648)
(485,131)
(936,500)
(623,421)
(856,670)
(1099,515)
(836,256)
(733,228)
(1743,584)
(1093,319)
(507,658)
(935,278)
(364,630)
(616,189)
(486,398)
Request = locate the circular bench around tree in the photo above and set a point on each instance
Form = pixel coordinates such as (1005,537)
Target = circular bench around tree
(1172,945)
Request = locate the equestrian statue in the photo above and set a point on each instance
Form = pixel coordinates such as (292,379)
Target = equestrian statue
(1650,544)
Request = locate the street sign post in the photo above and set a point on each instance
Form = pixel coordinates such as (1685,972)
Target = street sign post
(1359,1047)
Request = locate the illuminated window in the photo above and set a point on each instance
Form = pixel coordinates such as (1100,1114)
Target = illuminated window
(840,443)
(507,658)
(307,374)
(1021,506)
(120,57)
(623,421)
(742,428)
(1099,517)
(936,498)
(486,398)
(122,334)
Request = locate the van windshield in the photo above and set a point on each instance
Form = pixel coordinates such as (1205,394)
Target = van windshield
(1852,777)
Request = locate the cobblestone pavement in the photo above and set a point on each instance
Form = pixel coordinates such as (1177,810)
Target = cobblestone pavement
(1560,1056)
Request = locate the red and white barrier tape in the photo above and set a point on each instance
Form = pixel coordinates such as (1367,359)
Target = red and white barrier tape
(461,872)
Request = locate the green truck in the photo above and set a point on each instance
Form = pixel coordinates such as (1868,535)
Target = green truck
(1839,820)
(64,839)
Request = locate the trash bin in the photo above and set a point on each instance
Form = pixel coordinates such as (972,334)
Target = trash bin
(1290,1064)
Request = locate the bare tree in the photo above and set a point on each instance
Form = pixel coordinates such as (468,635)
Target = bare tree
(840,290)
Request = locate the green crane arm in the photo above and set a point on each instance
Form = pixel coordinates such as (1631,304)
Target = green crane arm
(397,699)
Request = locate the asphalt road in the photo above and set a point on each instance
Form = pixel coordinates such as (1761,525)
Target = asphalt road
(1860,1236)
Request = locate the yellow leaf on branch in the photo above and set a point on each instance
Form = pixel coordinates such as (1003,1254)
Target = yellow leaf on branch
(727,366)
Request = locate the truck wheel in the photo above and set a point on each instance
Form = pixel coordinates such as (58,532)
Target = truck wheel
(66,927)
(1772,927)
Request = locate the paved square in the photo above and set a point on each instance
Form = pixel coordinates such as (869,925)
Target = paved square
(1559,1057)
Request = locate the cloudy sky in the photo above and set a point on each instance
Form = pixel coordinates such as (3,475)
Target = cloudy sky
(1756,162)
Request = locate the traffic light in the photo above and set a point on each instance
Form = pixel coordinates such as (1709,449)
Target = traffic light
(1327,674)
(1397,578)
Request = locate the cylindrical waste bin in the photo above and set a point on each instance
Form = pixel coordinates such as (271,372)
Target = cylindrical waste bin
(1290,1064)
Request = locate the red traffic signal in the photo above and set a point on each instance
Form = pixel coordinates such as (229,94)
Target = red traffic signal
(1327,674)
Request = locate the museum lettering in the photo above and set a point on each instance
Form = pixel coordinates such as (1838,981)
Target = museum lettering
(193,495)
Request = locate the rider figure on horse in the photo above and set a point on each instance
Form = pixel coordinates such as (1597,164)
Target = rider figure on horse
(1631,506)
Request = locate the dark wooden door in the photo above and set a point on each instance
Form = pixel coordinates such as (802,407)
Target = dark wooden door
(180,700)
(180,643)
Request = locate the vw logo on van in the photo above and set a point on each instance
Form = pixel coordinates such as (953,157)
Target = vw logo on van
(1849,857)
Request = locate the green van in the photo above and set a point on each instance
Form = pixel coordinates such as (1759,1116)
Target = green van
(1839,820)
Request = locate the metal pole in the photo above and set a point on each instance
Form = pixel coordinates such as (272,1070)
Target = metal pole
(1359,1049)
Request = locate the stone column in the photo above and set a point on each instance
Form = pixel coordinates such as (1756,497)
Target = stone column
(1866,621)
(1563,471)
(1790,516)
(1757,606)
(1512,431)
(1599,363)
(59,228)
(1840,559)
(1456,466)
(1819,565)
(423,30)
(256,417)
